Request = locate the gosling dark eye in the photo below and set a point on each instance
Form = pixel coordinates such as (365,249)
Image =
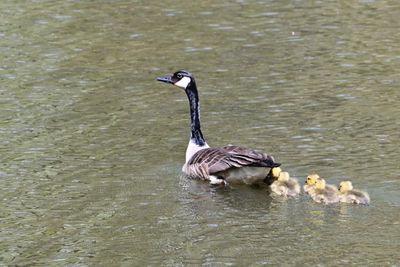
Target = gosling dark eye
(179,76)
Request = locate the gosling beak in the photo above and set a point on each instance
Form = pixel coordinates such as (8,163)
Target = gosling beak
(165,79)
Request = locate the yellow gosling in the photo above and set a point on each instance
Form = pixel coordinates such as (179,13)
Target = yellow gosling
(310,183)
(285,185)
(276,171)
(350,195)
(325,194)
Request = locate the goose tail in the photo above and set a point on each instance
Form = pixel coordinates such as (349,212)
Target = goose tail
(268,162)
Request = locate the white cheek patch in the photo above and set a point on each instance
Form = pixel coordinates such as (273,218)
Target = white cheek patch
(183,83)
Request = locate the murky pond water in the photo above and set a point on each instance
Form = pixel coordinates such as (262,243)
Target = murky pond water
(92,146)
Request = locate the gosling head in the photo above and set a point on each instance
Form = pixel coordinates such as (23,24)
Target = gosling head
(283,176)
(345,186)
(320,184)
(312,179)
(181,78)
(276,171)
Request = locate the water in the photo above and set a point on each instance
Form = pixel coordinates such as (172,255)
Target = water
(92,146)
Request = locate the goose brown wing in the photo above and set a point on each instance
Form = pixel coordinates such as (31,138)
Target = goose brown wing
(257,159)
(222,159)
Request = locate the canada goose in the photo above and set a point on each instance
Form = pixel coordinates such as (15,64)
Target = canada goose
(285,185)
(217,165)
(350,195)
(325,194)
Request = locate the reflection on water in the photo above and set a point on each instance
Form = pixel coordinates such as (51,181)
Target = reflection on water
(92,146)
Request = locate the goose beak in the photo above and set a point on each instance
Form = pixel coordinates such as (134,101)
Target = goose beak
(165,79)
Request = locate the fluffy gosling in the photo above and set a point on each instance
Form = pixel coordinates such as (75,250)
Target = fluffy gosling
(350,195)
(310,183)
(325,194)
(276,171)
(285,185)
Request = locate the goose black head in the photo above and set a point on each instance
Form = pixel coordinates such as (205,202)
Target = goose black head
(181,78)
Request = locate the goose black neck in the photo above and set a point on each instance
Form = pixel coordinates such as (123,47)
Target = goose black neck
(195,132)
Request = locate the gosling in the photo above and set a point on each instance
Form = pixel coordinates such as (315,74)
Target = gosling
(275,172)
(311,180)
(349,195)
(324,193)
(285,185)
(310,183)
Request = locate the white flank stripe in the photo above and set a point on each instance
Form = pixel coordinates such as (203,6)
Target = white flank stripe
(214,180)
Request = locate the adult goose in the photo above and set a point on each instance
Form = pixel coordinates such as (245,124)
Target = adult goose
(222,165)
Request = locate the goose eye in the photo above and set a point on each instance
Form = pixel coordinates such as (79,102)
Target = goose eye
(179,76)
